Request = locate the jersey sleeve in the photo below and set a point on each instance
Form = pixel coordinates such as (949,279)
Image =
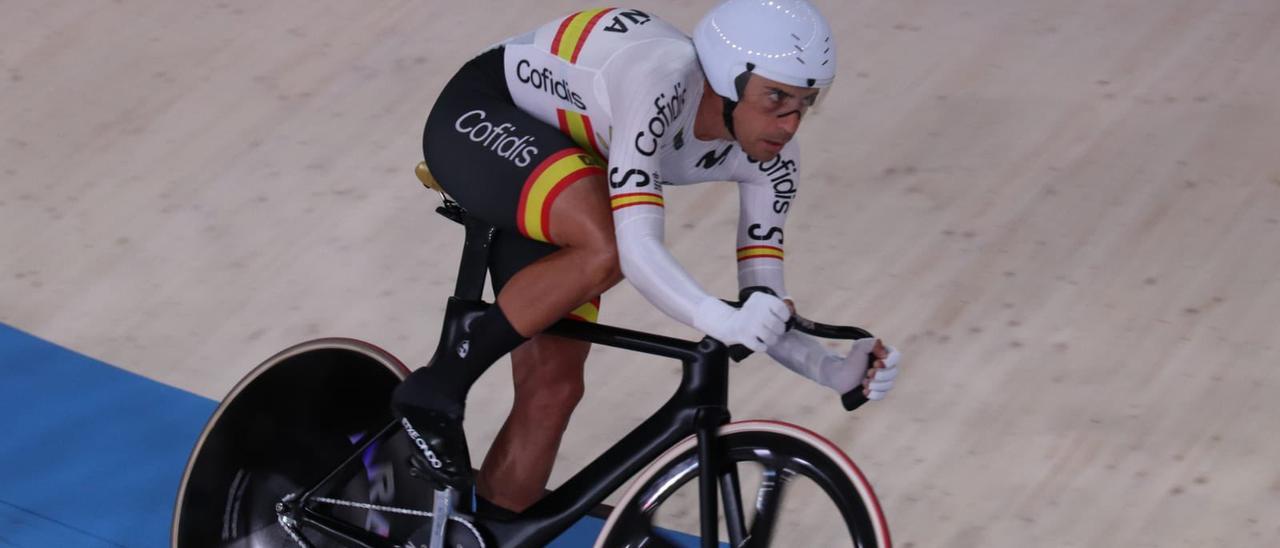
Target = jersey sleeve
(766,190)
(649,90)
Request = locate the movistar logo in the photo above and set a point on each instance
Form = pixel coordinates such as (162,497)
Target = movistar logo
(712,158)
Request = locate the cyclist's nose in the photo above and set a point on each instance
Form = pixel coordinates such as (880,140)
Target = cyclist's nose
(790,122)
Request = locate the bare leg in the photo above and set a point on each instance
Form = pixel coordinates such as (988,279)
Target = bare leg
(584,267)
(547,372)
(535,297)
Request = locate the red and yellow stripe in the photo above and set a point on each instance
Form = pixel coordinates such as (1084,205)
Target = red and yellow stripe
(548,180)
(578,127)
(573,33)
(759,252)
(588,312)
(634,199)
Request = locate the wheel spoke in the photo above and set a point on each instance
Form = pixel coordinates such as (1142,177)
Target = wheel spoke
(762,469)
(769,496)
(731,494)
(640,532)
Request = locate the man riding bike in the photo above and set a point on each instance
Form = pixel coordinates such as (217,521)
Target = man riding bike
(563,138)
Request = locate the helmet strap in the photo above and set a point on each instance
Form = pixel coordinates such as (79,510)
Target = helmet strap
(740,83)
(729,105)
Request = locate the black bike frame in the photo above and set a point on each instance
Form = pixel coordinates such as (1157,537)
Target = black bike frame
(698,407)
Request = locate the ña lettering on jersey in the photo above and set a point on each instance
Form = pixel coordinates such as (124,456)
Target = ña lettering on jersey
(781,173)
(501,139)
(620,22)
(543,79)
(666,110)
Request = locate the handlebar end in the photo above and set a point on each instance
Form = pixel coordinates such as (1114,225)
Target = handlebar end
(853,399)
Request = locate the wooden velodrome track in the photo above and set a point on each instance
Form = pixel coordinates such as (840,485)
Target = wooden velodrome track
(1067,215)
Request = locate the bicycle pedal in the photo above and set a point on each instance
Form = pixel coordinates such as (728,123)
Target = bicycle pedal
(458,534)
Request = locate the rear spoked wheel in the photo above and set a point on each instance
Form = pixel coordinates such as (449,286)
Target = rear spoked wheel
(794,488)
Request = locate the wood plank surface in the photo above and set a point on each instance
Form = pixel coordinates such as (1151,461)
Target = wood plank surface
(1066,214)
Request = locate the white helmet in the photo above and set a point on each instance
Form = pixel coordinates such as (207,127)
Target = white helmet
(786,41)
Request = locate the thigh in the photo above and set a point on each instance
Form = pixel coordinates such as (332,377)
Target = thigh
(503,165)
(510,253)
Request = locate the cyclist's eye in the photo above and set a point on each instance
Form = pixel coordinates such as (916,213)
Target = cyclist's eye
(810,100)
(775,96)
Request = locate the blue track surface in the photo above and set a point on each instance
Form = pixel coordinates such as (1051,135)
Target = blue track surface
(92,454)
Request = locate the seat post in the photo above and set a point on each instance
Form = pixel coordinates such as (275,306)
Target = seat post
(475,259)
(475,250)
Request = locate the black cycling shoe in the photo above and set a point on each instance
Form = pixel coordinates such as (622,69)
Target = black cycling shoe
(442,446)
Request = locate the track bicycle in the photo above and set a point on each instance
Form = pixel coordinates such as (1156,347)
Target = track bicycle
(304,452)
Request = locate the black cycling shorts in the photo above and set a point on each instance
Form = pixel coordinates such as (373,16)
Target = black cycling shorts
(503,165)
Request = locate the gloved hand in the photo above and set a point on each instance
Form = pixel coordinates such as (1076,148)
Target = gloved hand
(876,380)
(758,324)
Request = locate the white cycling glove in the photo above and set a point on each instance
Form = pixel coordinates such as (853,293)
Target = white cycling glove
(758,324)
(807,357)
(881,382)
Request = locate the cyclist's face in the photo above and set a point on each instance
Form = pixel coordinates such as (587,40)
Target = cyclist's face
(769,114)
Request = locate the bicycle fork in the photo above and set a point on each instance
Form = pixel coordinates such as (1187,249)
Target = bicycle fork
(715,469)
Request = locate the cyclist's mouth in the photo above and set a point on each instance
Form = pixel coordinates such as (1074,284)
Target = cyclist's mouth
(774,146)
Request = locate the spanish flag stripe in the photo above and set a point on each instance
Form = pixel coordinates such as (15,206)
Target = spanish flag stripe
(578,127)
(563,116)
(557,189)
(759,252)
(588,312)
(575,129)
(573,33)
(583,40)
(594,147)
(634,199)
(537,210)
(531,196)
(564,25)
(749,257)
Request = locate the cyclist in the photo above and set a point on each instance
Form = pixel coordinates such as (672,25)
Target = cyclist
(564,138)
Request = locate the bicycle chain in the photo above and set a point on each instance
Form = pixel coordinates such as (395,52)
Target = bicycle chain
(379,508)
(392,509)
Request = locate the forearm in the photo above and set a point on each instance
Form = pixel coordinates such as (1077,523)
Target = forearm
(808,358)
(656,274)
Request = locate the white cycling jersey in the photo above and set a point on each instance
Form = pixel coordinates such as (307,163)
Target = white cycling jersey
(625,86)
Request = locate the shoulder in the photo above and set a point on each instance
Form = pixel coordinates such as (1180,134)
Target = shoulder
(593,37)
(658,58)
